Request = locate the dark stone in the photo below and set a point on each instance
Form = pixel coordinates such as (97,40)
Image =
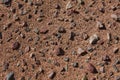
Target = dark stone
(61,30)
(117,78)
(106,58)
(59,51)
(6,65)
(72,34)
(6,2)
(75,64)
(91,68)
(15,45)
(0,35)
(51,75)
(10,76)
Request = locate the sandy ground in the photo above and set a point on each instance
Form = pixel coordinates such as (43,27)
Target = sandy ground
(59,40)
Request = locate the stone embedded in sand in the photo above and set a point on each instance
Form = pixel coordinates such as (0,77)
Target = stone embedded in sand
(115,50)
(15,45)
(10,76)
(27,49)
(100,25)
(117,78)
(71,36)
(69,5)
(5,1)
(109,36)
(106,58)
(75,64)
(80,51)
(93,39)
(115,17)
(91,68)
(61,30)
(58,51)
(80,2)
(84,77)
(0,35)
(51,75)
(43,30)
(36,30)
(102,69)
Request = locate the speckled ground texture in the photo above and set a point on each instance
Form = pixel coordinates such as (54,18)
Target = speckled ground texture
(59,39)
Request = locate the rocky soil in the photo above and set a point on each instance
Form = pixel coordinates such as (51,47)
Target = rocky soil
(59,39)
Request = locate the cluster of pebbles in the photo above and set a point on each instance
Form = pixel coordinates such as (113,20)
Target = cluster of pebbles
(59,39)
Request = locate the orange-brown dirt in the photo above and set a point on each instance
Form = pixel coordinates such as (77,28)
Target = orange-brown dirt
(50,39)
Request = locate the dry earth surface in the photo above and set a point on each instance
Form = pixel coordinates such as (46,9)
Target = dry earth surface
(59,39)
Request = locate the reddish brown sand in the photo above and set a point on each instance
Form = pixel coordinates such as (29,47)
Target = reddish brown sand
(29,45)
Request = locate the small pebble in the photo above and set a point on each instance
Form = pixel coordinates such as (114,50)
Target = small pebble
(51,75)
(93,39)
(100,25)
(91,68)
(115,50)
(58,51)
(0,35)
(69,5)
(27,49)
(61,30)
(106,58)
(82,52)
(15,45)
(71,36)
(102,69)
(75,64)
(43,30)
(115,17)
(36,30)
(117,78)
(66,59)
(10,76)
